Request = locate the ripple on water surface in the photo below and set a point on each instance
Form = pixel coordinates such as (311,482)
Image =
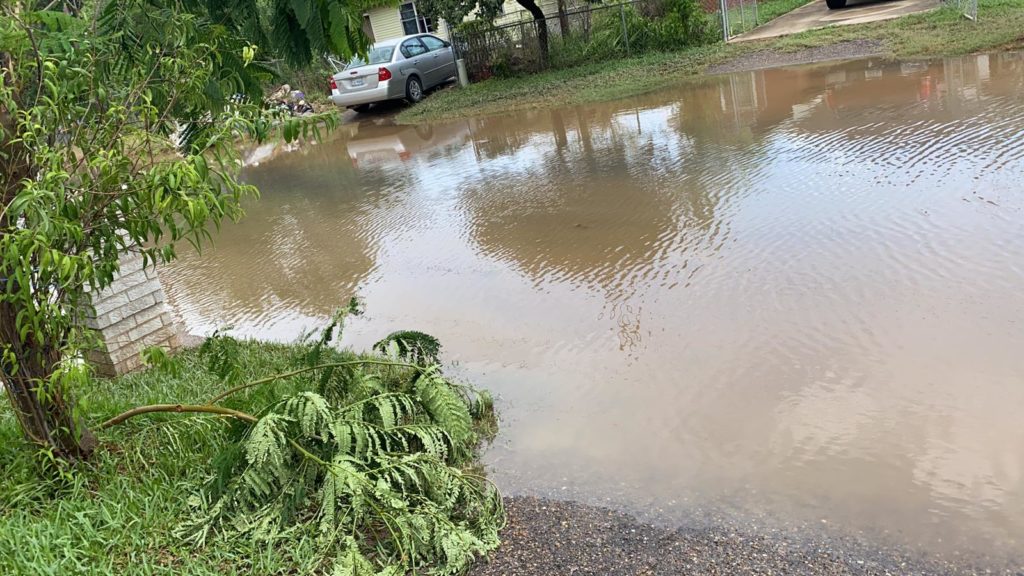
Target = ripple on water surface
(795,293)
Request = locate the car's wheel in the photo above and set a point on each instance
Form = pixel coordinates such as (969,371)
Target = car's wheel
(362,108)
(835,4)
(414,90)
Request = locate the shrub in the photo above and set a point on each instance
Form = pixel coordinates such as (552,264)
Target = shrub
(684,23)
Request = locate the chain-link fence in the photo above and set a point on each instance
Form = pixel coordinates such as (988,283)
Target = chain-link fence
(969,8)
(739,16)
(582,32)
(736,16)
(579,34)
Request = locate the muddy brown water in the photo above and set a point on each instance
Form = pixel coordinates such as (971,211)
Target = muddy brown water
(794,294)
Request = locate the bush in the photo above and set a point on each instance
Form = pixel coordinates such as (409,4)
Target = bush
(684,24)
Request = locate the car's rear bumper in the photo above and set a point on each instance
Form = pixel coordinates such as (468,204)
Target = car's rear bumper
(378,94)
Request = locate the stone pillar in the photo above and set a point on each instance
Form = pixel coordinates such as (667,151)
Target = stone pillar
(129,316)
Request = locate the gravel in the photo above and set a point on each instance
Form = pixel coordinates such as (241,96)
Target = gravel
(551,538)
(772,58)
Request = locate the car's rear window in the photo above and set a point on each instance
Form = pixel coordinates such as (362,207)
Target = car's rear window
(377,55)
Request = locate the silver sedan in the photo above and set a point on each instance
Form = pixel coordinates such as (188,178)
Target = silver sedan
(402,68)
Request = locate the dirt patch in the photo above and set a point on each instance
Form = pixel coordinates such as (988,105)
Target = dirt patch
(773,58)
(546,538)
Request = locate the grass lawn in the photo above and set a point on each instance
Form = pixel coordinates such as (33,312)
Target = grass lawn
(117,514)
(120,512)
(942,32)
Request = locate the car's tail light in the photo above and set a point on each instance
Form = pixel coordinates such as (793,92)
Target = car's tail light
(383,74)
(334,85)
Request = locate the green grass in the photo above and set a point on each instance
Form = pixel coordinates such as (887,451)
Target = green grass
(116,515)
(942,32)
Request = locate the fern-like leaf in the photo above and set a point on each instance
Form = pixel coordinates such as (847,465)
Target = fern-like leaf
(312,413)
(447,408)
(373,457)
(268,442)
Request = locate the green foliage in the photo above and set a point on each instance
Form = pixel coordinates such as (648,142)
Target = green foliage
(661,26)
(416,347)
(377,457)
(158,358)
(118,131)
(455,11)
(221,353)
(684,24)
(144,503)
(592,34)
(302,30)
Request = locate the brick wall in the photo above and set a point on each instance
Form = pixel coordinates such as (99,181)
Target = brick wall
(130,316)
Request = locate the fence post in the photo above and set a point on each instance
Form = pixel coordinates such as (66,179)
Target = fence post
(725,19)
(625,29)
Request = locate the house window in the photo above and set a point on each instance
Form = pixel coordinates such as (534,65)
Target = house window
(412,21)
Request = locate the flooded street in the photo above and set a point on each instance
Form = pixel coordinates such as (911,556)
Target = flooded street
(796,295)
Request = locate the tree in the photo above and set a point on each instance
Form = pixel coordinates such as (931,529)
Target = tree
(117,130)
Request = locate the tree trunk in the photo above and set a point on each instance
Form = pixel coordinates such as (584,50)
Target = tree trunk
(44,410)
(542,26)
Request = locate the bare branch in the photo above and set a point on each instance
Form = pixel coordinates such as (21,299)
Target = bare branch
(177,408)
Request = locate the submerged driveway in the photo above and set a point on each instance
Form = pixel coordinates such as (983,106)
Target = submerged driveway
(817,15)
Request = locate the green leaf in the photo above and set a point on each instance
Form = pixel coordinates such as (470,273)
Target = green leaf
(302,10)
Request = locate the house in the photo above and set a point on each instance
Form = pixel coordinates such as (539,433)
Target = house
(386,22)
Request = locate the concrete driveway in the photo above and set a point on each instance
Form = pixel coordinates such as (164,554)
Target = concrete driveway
(817,15)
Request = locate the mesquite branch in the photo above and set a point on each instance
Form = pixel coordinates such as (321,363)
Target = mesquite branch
(202,408)
(210,408)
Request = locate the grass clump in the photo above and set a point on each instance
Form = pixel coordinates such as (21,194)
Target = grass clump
(339,464)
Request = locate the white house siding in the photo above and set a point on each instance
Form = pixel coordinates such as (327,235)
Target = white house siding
(386,23)
(442,30)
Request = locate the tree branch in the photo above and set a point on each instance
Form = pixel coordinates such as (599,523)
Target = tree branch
(241,387)
(177,408)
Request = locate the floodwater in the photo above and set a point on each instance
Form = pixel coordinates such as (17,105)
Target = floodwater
(795,294)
